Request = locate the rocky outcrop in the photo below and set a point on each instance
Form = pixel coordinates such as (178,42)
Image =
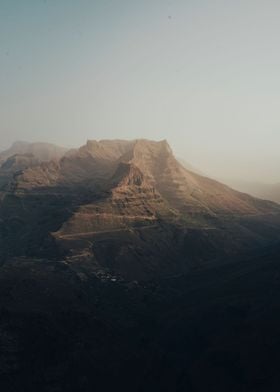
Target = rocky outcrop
(131,208)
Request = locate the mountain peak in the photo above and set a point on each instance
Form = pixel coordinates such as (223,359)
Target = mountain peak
(142,162)
(106,149)
(153,145)
(127,174)
(126,199)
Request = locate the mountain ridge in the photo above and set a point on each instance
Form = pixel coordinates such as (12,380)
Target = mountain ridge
(108,203)
(154,159)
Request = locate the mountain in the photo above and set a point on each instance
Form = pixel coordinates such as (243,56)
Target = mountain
(23,155)
(97,163)
(113,204)
(122,270)
(41,151)
(257,189)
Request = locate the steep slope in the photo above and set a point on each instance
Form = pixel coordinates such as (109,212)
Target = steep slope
(190,192)
(122,230)
(129,208)
(130,201)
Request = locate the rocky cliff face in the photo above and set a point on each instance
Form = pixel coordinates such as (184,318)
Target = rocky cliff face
(97,163)
(131,208)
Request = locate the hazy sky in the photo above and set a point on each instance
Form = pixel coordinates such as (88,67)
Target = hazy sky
(203,74)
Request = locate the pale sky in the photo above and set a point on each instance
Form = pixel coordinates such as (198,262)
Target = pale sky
(205,75)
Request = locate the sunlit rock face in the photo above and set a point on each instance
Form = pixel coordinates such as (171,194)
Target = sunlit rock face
(126,206)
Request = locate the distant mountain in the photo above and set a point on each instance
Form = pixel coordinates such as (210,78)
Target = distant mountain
(41,151)
(260,190)
(23,155)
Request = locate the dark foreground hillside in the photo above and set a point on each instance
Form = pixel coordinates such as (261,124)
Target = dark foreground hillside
(216,329)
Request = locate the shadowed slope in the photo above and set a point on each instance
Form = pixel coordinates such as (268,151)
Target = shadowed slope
(131,208)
